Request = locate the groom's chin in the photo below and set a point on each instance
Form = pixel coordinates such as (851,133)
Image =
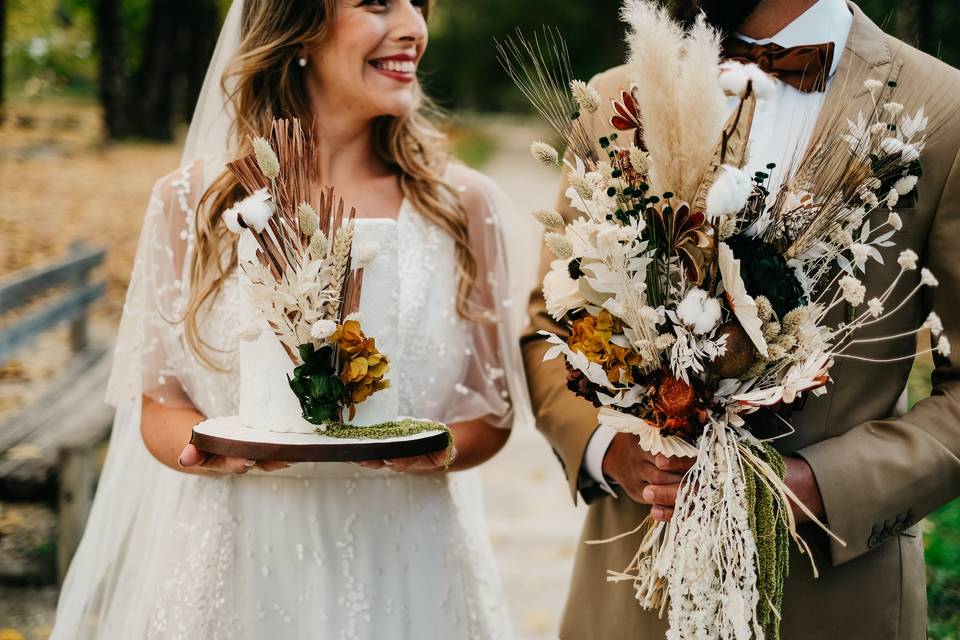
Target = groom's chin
(726,15)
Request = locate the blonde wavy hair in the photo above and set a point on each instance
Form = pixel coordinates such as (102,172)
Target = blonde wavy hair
(262,82)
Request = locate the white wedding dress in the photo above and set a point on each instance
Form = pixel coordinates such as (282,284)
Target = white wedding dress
(329,551)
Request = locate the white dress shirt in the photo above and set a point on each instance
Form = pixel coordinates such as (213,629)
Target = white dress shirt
(782,125)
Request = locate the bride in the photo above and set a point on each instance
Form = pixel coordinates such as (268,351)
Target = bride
(181,544)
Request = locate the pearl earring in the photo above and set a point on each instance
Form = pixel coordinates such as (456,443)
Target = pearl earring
(302,61)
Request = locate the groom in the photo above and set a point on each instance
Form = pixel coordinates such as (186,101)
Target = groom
(870,475)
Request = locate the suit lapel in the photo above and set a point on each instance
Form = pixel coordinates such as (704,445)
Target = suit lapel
(866,55)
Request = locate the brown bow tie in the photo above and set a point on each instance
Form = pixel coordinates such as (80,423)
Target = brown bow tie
(806,68)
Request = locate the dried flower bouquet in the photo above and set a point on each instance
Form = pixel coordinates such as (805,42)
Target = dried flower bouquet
(695,299)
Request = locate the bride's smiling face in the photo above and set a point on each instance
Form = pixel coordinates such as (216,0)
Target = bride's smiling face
(369,58)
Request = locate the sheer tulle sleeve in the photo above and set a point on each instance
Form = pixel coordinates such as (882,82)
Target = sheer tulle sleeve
(493,387)
(151,358)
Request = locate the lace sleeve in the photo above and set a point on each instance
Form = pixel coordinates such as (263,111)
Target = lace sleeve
(493,387)
(151,357)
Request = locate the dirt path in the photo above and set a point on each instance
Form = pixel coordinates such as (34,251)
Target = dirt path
(533,523)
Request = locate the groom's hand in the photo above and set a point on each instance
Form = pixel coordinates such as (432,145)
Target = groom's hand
(646,478)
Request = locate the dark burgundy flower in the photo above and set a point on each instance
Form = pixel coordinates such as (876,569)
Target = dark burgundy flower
(627,118)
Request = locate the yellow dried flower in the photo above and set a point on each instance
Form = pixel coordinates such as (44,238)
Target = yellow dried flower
(591,336)
(362,367)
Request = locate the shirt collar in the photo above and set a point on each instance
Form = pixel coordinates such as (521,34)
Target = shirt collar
(826,21)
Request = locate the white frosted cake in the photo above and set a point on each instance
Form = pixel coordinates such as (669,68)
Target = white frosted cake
(266,401)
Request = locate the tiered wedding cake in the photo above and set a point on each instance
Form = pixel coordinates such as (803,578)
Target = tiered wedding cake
(266,401)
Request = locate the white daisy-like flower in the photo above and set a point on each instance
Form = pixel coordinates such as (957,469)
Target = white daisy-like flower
(893,108)
(266,158)
(664,341)
(861,253)
(895,221)
(875,307)
(943,346)
(934,324)
(545,154)
(872,85)
(853,290)
(640,161)
(908,260)
(906,184)
(588,98)
(322,329)
(699,311)
(256,210)
(561,292)
(878,128)
(842,238)
(927,278)
(870,199)
(892,199)
(856,216)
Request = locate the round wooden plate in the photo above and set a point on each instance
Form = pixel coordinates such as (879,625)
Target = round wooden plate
(228,437)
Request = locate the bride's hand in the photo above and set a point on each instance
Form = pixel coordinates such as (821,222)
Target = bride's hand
(193,458)
(431,463)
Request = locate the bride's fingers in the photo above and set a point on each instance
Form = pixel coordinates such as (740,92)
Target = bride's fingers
(238,466)
(272,466)
(192,457)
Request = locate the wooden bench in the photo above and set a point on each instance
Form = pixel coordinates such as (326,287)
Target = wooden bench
(47,449)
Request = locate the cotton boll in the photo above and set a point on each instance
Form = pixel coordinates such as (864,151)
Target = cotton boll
(699,311)
(231,217)
(733,79)
(256,210)
(729,193)
(764,86)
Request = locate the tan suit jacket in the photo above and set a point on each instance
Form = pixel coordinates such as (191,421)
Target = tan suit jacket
(879,475)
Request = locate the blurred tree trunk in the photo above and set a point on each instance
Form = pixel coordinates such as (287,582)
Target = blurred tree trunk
(111,78)
(913,22)
(179,41)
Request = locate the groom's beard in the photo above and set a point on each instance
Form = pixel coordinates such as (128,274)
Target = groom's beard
(726,15)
